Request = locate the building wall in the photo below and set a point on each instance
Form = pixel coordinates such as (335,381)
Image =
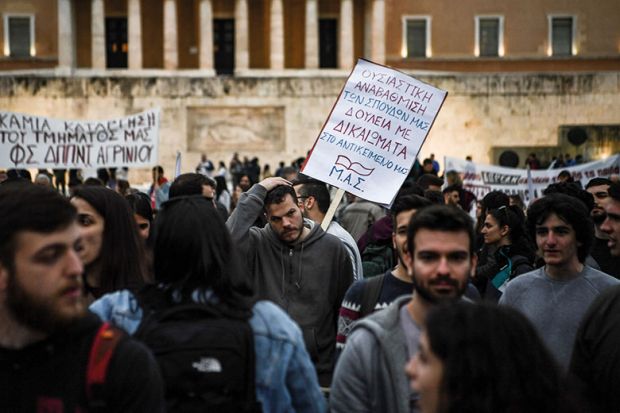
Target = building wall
(525,35)
(279,118)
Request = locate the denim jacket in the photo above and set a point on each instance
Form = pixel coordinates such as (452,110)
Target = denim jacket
(286,380)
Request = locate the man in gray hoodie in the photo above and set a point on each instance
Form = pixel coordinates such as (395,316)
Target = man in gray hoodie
(295,264)
(370,374)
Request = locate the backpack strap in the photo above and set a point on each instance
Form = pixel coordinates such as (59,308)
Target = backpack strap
(101,351)
(370,294)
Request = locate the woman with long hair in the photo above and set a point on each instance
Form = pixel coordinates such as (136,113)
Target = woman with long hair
(505,237)
(480,358)
(112,251)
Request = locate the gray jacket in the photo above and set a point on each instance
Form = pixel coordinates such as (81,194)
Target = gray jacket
(370,374)
(307,279)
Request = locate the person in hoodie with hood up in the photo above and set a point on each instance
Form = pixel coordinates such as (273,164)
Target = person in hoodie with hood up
(295,264)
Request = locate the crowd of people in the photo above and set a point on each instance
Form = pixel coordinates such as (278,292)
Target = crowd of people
(224,289)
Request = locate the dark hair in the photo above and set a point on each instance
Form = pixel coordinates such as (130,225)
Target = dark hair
(277,195)
(567,175)
(159,169)
(506,365)
(614,191)
(441,218)
(435,197)
(513,217)
(572,189)
(427,179)
(314,188)
(92,181)
(220,185)
(140,204)
(597,182)
(188,184)
(451,188)
(573,213)
(193,250)
(407,203)
(121,261)
(28,207)
(492,200)
(517,201)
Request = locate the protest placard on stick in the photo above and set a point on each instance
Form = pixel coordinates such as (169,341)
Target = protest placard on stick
(374,132)
(38,142)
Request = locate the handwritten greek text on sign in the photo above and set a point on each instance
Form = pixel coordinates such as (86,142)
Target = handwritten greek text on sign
(37,142)
(374,132)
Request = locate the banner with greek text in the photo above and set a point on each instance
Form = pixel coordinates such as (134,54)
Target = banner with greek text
(482,179)
(374,132)
(38,142)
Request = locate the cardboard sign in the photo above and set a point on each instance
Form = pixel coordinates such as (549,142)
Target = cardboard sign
(38,142)
(482,179)
(374,132)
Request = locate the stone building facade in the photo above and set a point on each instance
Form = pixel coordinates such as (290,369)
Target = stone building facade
(259,77)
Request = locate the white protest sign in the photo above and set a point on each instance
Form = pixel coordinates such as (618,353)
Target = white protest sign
(38,142)
(374,132)
(482,179)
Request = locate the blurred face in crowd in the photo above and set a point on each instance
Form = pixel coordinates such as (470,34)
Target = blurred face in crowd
(144,226)
(611,226)
(244,183)
(440,264)
(425,371)
(399,236)
(601,195)
(286,219)
(492,232)
(43,286)
(91,225)
(452,198)
(556,241)
(208,191)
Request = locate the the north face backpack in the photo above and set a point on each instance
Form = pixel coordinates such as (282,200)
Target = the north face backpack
(206,357)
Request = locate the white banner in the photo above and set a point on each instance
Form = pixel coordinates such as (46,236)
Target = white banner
(482,179)
(38,142)
(374,132)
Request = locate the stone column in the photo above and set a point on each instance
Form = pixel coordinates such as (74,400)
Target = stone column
(66,35)
(98,35)
(171,56)
(312,34)
(135,34)
(277,35)
(206,35)
(345,55)
(242,50)
(377,50)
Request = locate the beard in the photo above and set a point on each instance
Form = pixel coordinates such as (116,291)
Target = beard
(37,313)
(434,298)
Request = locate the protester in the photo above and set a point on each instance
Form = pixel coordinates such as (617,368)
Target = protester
(375,293)
(295,264)
(196,262)
(505,236)
(314,196)
(205,166)
(609,264)
(142,213)
(596,360)
(47,336)
(555,297)
(158,192)
(452,196)
(197,184)
(485,359)
(221,192)
(439,257)
(359,215)
(112,250)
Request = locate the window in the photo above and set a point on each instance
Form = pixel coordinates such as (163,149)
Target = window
(19,35)
(489,36)
(416,40)
(561,35)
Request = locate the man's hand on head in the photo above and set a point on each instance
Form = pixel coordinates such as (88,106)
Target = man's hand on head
(270,183)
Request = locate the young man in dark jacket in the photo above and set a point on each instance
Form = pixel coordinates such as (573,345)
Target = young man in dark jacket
(295,264)
(46,332)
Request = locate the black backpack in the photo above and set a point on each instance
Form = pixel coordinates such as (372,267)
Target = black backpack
(206,357)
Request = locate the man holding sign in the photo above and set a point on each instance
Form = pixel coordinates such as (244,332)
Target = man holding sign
(295,264)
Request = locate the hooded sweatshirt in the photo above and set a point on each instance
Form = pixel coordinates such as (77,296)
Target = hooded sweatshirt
(307,278)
